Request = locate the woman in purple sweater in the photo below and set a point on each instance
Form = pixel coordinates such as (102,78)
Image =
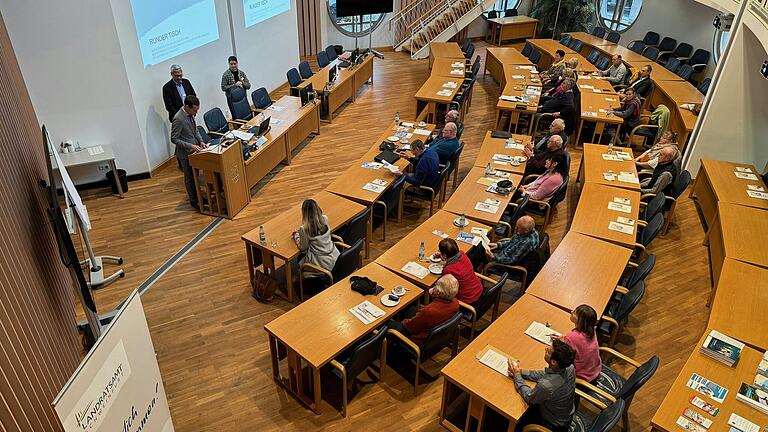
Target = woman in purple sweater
(548,183)
(583,341)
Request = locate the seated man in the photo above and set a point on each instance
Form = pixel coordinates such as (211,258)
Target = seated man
(630,111)
(557,127)
(650,158)
(560,104)
(427,172)
(642,84)
(558,64)
(524,241)
(616,73)
(419,322)
(552,402)
(538,156)
(664,175)
(447,144)
(451,116)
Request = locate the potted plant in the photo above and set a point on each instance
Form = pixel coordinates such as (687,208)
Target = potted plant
(574,16)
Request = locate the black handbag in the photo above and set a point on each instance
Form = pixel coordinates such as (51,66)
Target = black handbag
(364,285)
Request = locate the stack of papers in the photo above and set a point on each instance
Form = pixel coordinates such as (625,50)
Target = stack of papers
(415,269)
(610,157)
(421,132)
(707,388)
(374,187)
(541,332)
(722,348)
(741,424)
(444,93)
(367,312)
(615,206)
(450,84)
(96,150)
(628,177)
(620,227)
(487,208)
(245,136)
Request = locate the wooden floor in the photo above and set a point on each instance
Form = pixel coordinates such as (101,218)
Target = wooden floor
(207,330)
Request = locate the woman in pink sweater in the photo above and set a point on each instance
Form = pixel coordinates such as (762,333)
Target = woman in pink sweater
(583,341)
(548,183)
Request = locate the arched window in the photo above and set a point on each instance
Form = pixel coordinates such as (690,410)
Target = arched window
(617,15)
(502,5)
(352,26)
(718,44)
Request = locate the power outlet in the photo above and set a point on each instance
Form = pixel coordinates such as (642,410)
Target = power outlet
(103,168)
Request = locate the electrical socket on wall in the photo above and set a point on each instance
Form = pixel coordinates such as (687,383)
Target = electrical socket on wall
(103,168)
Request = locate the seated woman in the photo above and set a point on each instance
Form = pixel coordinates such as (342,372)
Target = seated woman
(583,341)
(313,237)
(548,183)
(650,158)
(422,320)
(458,265)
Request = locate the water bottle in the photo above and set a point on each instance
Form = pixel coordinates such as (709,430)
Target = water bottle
(610,146)
(262,235)
(488,169)
(421,251)
(397,118)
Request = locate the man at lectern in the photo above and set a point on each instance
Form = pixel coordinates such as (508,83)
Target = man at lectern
(187,139)
(175,90)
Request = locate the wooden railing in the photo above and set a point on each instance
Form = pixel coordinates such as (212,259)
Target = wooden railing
(402,23)
(437,20)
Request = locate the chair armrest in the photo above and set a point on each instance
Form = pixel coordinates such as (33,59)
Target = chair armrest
(339,366)
(510,269)
(642,223)
(237,122)
(216,133)
(669,198)
(535,428)
(621,356)
(527,179)
(397,335)
(683,59)
(621,289)
(336,238)
(699,65)
(646,196)
(342,245)
(614,325)
(589,386)
(594,401)
(428,189)
(633,264)
(467,307)
(315,268)
(661,53)
(485,278)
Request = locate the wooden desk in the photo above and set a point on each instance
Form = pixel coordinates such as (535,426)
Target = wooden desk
(492,146)
(627,55)
(673,94)
(716,182)
(497,59)
(487,389)
(450,68)
(593,166)
(582,270)
(738,308)
(592,82)
(517,27)
(517,79)
(224,182)
(407,249)
(470,192)
(679,394)
(593,215)
(659,72)
(590,41)
(598,104)
(348,81)
(428,100)
(280,242)
(548,48)
(84,157)
(444,49)
(316,331)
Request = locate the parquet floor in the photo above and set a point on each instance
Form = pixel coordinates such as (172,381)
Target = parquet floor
(207,330)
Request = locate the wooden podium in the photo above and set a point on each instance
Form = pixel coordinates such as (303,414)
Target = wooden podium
(220,178)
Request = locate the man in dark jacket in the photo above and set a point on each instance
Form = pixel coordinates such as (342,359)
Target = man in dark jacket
(642,84)
(175,91)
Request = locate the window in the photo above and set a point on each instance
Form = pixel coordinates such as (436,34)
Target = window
(718,44)
(502,5)
(617,15)
(352,26)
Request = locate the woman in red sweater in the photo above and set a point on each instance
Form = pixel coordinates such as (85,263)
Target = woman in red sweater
(458,265)
(583,341)
(443,306)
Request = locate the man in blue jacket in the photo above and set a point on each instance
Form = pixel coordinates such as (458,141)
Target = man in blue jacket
(446,145)
(427,172)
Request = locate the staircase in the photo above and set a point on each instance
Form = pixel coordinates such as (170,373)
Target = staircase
(425,21)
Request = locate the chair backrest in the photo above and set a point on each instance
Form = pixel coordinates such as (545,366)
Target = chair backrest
(704,86)
(520,210)
(565,40)
(492,14)
(764,177)
(651,230)
(598,31)
(700,56)
(535,260)
(294,78)
(602,63)
(510,12)
(487,298)
(444,175)
(651,53)
(680,184)
(305,70)
(260,98)
(607,419)
(215,121)
(638,47)
(439,337)
(527,50)
(629,301)
(672,64)
(593,56)
(667,44)
(613,37)
(204,134)
(685,71)
(559,194)
(456,155)
(365,353)
(476,67)
(391,196)
(241,108)
(347,262)
(356,228)
(330,50)
(683,50)
(655,205)
(535,56)
(642,270)
(470,52)
(639,377)
(322,59)
(651,38)
(459,130)
(576,45)
(466,44)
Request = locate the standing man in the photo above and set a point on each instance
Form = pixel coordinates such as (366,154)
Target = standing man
(234,77)
(175,91)
(187,140)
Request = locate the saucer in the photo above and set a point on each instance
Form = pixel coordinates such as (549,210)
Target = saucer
(387,302)
(393,139)
(458,224)
(436,268)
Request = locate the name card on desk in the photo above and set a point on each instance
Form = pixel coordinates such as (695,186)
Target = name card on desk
(620,227)
(758,195)
(745,176)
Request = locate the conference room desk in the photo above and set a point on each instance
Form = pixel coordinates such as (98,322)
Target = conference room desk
(548,48)
(517,80)
(731,378)
(593,166)
(737,232)
(582,270)
(345,86)
(717,182)
(310,335)
(492,146)
(595,108)
(84,157)
(472,390)
(587,83)
(290,125)
(450,68)
(738,308)
(508,28)
(590,41)
(470,193)
(219,175)
(407,249)
(279,236)
(673,94)
(627,55)
(497,59)
(428,100)
(659,72)
(444,49)
(593,215)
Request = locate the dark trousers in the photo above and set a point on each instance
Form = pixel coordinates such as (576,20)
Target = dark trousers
(189,180)
(409,312)
(533,416)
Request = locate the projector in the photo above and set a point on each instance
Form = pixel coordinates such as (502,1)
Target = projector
(723,22)
(764,69)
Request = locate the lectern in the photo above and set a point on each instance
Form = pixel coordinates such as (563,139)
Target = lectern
(220,178)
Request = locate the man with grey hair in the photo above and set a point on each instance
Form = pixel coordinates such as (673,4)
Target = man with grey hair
(511,251)
(447,144)
(175,91)
(450,116)
(537,157)
(419,322)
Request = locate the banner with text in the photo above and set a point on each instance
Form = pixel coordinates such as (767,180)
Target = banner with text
(118,386)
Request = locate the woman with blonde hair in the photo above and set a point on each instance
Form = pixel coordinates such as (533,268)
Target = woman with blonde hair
(313,237)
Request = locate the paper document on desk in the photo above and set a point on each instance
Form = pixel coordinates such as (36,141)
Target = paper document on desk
(527,67)
(440,234)
(374,188)
(589,114)
(276,108)
(444,93)
(594,90)
(450,84)
(245,136)
(625,221)
(96,150)
(457,64)
(482,239)
(502,157)
(260,142)
(628,177)
(486,181)
(371,165)
(758,195)
(514,146)
(518,77)
(745,176)
(744,169)
(487,208)
(457,72)
(742,424)
(390,167)
(421,132)
(510,98)
(415,269)
(406,124)
(585,86)
(620,227)
(623,155)
(495,361)
(541,332)
(619,207)
(610,157)
(755,188)
(367,312)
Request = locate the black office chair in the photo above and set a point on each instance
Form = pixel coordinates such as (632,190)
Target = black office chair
(455,157)
(470,52)
(544,209)
(471,313)
(465,46)
(602,63)
(651,53)
(215,122)
(204,134)
(646,235)
(577,45)
(648,210)
(294,77)
(637,46)
(528,268)
(330,50)
(682,52)
(593,56)
(446,334)
(322,59)
(313,278)
(241,108)
(650,39)
(598,31)
(389,201)
(261,99)
(685,71)
(611,386)
(636,274)
(704,86)
(304,70)
(699,60)
(429,193)
(527,50)
(678,187)
(667,45)
(508,220)
(354,230)
(606,419)
(492,14)
(357,359)
(672,64)
(613,37)
(535,56)
(617,312)
(565,40)
(510,12)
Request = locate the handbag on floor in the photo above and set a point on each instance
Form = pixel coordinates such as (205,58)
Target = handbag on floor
(264,287)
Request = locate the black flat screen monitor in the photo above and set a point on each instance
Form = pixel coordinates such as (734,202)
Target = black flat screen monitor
(345,8)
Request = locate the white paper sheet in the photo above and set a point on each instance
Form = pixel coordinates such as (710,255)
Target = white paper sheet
(495,361)
(374,187)
(619,207)
(620,227)
(415,269)
(745,176)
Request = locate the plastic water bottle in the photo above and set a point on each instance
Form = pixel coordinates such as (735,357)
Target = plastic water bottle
(488,169)
(421,251)
(262,235)
(397,118)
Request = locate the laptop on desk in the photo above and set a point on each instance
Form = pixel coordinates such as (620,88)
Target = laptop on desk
(263,128)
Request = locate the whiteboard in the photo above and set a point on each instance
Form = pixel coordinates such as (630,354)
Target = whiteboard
(70,192)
